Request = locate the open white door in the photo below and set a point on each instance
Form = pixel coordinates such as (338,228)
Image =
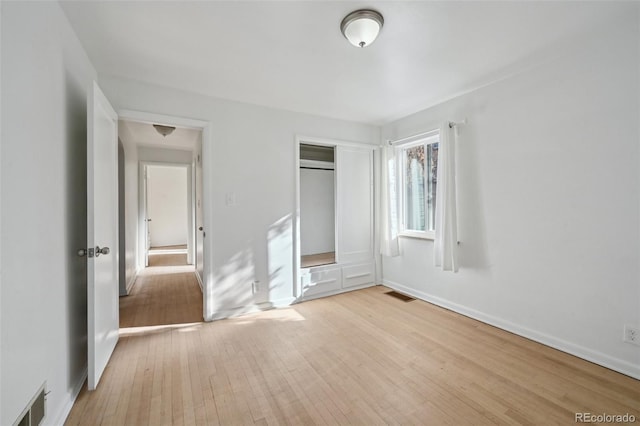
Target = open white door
(102,235)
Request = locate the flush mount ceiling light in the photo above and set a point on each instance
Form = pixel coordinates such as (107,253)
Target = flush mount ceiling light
(164,130)
(362,27)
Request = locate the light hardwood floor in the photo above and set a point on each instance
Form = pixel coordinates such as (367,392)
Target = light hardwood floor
(317,259)
(173,259)
(165,293)
(357,358)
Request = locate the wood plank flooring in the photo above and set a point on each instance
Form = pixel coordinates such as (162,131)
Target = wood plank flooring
(317,259)
(162,295)
(357,358)
(172,259)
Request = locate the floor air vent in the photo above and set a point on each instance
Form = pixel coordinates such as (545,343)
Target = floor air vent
(400,296)
(34,413)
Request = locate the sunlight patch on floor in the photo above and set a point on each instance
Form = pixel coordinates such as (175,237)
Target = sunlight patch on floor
(281,314)
(151,329)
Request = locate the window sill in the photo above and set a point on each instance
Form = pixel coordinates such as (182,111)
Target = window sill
(429,235)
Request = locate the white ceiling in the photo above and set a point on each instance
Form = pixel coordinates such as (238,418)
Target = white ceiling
(144,134)
(291,54)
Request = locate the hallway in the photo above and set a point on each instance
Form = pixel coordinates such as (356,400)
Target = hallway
(166,292)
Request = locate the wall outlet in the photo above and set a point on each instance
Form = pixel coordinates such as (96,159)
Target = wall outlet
(230,199)
(632,335)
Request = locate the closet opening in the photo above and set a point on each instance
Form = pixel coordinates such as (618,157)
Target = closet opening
(317,205)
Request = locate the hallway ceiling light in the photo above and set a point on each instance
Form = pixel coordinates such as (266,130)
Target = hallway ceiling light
(361,27)
(164,130)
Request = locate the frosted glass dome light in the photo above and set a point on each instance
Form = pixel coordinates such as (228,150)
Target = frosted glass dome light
(361,27)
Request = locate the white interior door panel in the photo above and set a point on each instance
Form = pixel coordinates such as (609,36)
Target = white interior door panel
(102,235)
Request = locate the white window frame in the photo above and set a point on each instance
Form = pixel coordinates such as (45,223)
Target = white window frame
(425,139)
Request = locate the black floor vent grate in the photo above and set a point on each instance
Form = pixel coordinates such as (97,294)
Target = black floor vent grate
(400,296)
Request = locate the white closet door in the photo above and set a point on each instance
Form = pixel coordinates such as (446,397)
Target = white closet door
(354,171)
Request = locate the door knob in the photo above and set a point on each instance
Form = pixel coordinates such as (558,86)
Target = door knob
(103,250)
(200,229)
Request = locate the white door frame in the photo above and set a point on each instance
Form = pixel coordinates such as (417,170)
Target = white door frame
(143,200)
(207,204)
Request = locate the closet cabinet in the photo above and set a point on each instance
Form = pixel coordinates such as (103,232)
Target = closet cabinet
(354,266)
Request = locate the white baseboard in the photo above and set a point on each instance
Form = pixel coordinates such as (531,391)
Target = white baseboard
(199,281)
(257,307)
(282,303)
(132,281)
(64,411)
(335,292)
(596,357)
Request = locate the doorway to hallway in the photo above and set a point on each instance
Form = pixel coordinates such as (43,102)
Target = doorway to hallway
(163,222)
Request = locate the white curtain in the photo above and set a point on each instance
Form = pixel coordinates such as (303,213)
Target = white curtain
(445,247)
(388,203)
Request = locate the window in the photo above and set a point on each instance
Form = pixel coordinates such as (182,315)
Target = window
(418,179)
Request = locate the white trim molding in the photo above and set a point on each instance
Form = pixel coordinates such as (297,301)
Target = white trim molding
(199,278)
(336,292)
(152,118)
(252,308)
(332,142)
(132,281)
(425,235)
(63,413)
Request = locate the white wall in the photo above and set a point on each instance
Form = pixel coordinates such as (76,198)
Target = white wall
(45,77)
(317,211)
(164,155)
(252,160)
(167,205)
(548,183)
(130,208)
